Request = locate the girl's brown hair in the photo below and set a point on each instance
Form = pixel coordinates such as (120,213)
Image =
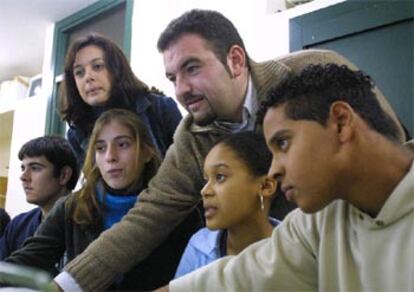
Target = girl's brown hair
(87,210)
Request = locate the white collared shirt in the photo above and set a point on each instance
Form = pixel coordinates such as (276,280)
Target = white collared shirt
(250,106)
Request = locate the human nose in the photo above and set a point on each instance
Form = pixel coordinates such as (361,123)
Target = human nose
(111,153)
(276,170)
(182,87)
(206,190)
(24,176)
(89,74)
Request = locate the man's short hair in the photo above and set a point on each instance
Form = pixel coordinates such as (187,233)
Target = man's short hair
(57,151)
(214,27)
(309,96)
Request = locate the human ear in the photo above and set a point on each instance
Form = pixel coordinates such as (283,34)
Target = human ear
(268,186)
(65,175)
(236,60)
(342,118)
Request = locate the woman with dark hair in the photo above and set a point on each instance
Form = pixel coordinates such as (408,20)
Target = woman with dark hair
(98,77)
(119,163)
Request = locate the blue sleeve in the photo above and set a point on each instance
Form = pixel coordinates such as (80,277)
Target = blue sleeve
(200,251)
(18,230)
(46,247)
(171,116)
(188,262)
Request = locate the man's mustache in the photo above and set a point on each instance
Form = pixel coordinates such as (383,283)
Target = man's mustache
(189,97)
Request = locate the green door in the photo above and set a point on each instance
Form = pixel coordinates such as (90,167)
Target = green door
(375,35)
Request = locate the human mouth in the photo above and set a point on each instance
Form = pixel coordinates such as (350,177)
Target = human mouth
(209,212)
(193,103)
(289,193)
(93,91)
(28,191)
(114,173)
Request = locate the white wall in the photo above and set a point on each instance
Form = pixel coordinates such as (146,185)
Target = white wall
(28,123)
(265,34)
(145,59)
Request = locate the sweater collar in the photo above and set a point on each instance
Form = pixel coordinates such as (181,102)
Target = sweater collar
(102,188)
(114,206)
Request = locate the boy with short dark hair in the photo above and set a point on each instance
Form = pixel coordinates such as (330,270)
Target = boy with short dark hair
(49,171)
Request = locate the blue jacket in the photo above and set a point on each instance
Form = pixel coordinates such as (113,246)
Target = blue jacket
(159,113)
(21,227)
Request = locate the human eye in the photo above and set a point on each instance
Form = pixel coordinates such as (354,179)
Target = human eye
(78,72)
(35,168)
(192,68)
(98,66)
(123,144)
(171,78)
(282,143)
(100,147)
(220,177)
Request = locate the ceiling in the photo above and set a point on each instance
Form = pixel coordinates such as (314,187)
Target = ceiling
(23,25)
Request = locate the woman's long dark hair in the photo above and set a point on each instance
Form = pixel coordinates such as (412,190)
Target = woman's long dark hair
(125,86)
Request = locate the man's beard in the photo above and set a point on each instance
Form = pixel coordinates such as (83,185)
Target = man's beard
(209,116)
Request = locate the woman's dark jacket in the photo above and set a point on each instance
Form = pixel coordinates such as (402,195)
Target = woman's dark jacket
(159,113)
(58,235)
